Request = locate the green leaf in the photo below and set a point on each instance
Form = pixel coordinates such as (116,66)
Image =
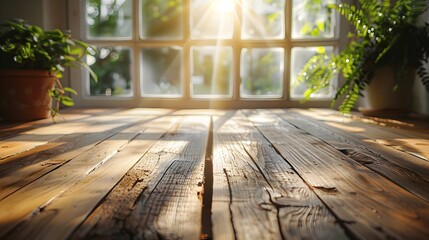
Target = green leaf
(305,29)
(70,90)
(79,52)
(67,101)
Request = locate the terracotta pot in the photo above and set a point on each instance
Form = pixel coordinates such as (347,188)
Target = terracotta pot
(380,97)
(24,94)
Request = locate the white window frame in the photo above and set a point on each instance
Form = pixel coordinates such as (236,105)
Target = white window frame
(78,76)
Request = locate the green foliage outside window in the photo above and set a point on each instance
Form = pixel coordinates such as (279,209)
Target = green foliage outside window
(314,24)
(162,18)
(261,74)
(112,66)
(109,19)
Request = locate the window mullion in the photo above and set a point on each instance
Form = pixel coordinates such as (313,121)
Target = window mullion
(186,68)
(236,46)
(288,49)
(136,61)
(149,44)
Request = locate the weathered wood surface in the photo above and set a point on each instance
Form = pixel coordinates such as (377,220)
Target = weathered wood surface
(261,174)
(355,148)
(258,193)
(71,207)
(21,169)
(415,143)
(159,198)
(368,204)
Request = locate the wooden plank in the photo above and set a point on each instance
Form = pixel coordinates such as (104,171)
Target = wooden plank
(38,136)
(353,147)
(257,195)
(34,137)
(69,209)
(36,195)
(67,115)
(360,133)
(369,205)
(413,122)
(8,129)
(19,170)
(411,142)
(160,196)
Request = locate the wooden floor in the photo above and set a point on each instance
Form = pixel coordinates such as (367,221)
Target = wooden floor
(212,174)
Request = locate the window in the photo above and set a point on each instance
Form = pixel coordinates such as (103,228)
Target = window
(201,53)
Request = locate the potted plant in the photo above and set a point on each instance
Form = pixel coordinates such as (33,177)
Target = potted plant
(32,62)
(386,41)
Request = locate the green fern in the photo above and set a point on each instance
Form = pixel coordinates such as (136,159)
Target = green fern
(316,75)
(385,33)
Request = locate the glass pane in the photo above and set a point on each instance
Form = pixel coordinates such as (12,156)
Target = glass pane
(211,72)
(313,19)
(212,19)
(161,19)
(161,71)
(109,18)
(301,57)
(262,72)
(112,66)
(263,19)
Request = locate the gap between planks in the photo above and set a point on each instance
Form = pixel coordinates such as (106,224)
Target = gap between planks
(257,195)
(368,204)
(45,189)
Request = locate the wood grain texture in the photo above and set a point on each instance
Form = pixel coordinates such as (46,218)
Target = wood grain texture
(260,173)
(19,170)
(353,147)
(360,133)
(69,209)
(17,139)
(259,194)
(16,207)
(369,205)
(411,142)
(159,198)
(9,129)
(39,135)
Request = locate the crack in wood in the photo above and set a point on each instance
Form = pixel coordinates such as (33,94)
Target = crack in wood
(276,205)
(274,145)
(358,156)
(230,203)
(330,190)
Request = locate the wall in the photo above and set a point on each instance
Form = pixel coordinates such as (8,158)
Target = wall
(30,10)
(421,98)
(421,94)
(49,14)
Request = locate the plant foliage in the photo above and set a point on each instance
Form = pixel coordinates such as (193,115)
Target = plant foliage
(385,33)
(25,46)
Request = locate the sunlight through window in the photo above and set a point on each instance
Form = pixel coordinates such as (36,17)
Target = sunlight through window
(205,50)
(224,6)
(212,20)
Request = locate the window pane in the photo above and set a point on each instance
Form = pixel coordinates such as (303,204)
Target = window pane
(301,57)
(211,72)
(313,19)
(112,66)
(109,18)
(263,19)
(161,19)
(262,72)
(212,19)
(161,71)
